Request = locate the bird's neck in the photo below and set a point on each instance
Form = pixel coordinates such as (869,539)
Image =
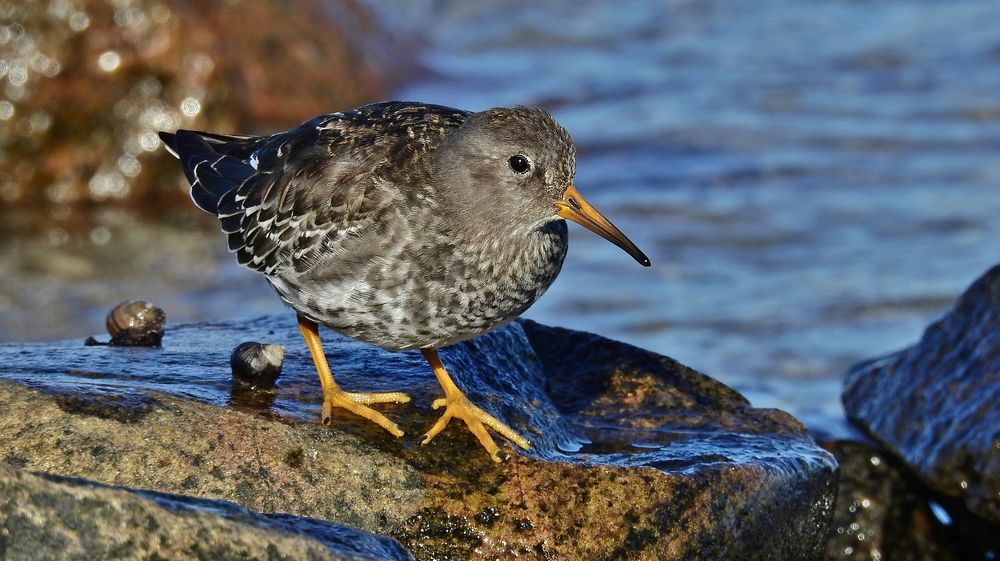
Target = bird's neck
(518,252)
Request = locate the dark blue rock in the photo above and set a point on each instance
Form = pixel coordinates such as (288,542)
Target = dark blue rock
(936,405)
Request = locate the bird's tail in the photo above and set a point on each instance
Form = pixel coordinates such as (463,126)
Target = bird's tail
(169,140)
(213,164)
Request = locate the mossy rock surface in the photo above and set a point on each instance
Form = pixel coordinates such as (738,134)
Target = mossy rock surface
(51,517)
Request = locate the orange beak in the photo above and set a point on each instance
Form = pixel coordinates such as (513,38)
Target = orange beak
(574,207)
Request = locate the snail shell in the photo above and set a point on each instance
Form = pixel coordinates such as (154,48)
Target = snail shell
(136,323)
(257,365)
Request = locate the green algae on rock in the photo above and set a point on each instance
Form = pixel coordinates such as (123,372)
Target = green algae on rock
(635,456)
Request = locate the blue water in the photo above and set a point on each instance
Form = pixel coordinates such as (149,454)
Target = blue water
(814,181)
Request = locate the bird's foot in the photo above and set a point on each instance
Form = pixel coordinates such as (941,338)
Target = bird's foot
(357,403)
(457,405)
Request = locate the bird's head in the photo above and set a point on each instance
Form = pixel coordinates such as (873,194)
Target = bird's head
(517,165)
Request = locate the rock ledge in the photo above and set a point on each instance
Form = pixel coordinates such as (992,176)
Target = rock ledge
(635,455)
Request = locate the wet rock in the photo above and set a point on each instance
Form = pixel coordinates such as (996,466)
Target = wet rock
(635,456)
(884,513)
(88,83)
(51,517)
(936,405)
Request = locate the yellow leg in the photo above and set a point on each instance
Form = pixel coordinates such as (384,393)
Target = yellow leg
(333,396)
(457,405)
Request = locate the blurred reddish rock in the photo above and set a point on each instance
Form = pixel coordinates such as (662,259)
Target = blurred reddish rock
(85,84)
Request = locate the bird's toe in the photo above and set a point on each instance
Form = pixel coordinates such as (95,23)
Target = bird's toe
(477,420)
(369,398)
(343,400)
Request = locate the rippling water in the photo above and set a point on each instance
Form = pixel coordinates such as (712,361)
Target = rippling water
(814,182)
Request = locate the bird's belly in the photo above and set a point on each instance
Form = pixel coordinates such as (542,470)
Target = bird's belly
(416,314)
(420,310)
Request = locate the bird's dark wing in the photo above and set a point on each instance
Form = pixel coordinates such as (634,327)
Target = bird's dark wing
(213,164)
(282,197)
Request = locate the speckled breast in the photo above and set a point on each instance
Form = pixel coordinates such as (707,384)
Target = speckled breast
(428,294)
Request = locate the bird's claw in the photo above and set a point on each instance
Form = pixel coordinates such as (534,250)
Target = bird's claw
(357,403)
(477,420)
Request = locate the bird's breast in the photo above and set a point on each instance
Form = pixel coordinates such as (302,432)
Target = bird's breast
(509,275)
(431,293)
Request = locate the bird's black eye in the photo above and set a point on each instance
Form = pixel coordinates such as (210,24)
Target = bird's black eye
(519,164)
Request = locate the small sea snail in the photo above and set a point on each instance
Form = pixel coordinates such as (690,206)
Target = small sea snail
(136,323)
(257,365)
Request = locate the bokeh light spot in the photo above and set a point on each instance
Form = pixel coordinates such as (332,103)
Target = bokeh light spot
(190,106)
(109,61)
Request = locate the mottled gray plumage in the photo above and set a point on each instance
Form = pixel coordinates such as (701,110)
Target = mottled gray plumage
(399,224)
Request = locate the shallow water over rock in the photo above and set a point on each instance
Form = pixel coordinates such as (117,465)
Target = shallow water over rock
(726,478)
(574,395)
